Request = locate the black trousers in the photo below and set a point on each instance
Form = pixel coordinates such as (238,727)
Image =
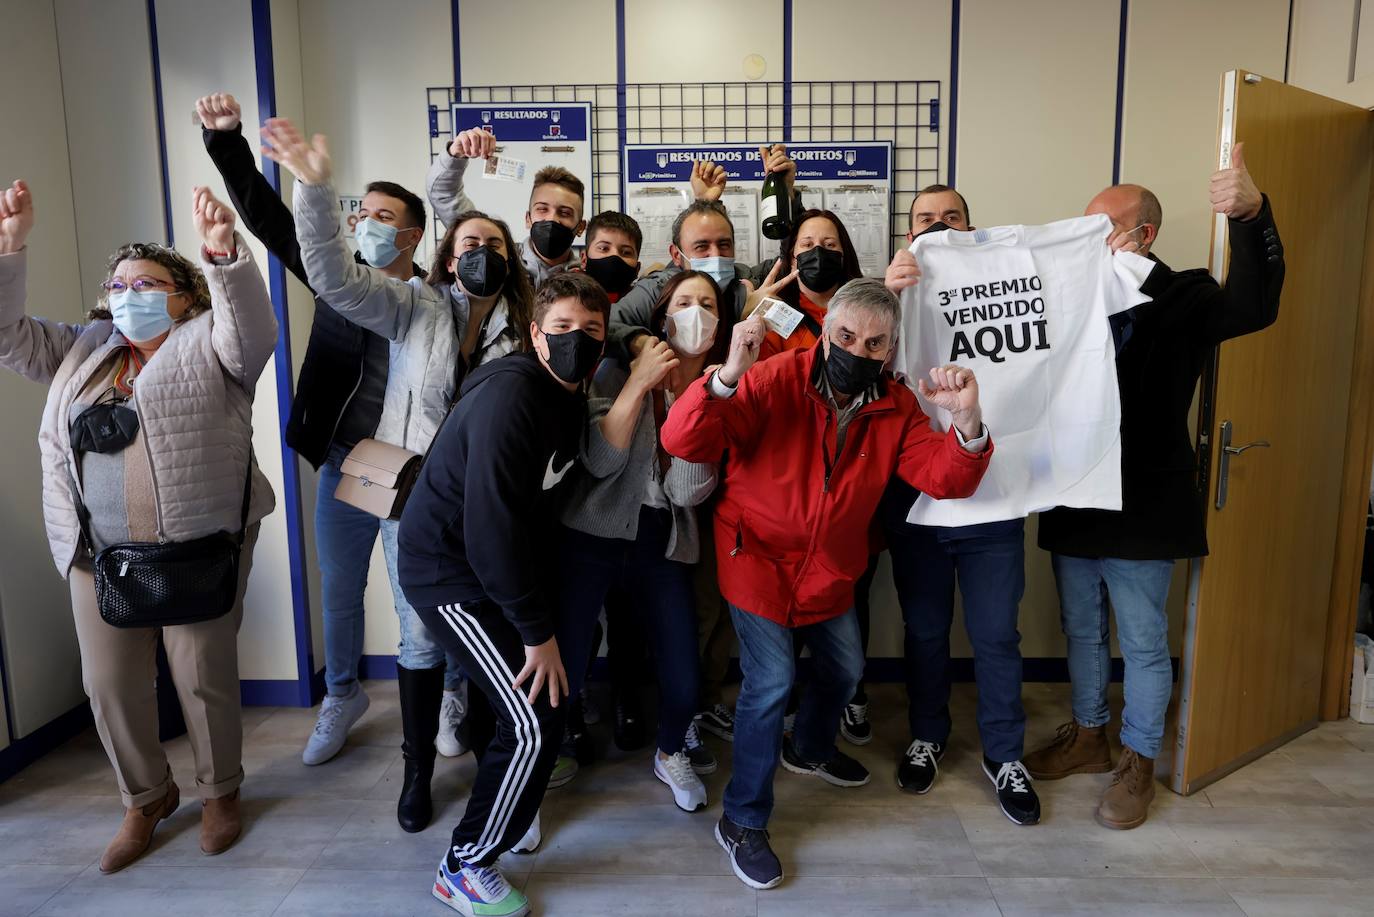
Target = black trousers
(514,764)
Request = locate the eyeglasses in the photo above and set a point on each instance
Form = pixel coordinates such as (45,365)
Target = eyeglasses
(139,285)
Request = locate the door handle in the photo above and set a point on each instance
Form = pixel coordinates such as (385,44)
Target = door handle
(1228,450)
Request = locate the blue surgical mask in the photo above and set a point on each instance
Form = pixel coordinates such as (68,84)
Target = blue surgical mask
(720,267)
(376,242)
(140,317)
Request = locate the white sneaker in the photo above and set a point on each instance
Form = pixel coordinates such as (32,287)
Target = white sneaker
(529,843)
(689,793)
(337,716)
(476,890)
(451,714)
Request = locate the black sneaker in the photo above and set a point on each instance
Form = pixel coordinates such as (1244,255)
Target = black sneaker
(918,767)
(1015,794)
(718,721)
(703,762)
(629,724)
(577,741)
(841,770)
(854,725)
(750,856)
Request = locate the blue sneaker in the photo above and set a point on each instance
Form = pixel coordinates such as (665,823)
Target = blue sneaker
(478,891)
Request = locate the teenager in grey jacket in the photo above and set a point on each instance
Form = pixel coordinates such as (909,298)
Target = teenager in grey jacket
(474,307)
(180,345)
(631,518)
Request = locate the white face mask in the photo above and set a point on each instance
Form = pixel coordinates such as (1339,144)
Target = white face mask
(692,331)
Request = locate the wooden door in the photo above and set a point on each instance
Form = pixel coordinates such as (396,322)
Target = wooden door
(1258,606)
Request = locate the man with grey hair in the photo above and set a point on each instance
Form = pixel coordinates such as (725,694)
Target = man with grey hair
(813,437)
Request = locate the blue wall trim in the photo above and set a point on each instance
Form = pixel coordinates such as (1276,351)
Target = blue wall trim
(161,121)
(787,71)
(23,752)
(621,116)
(457,49)
(291,480)
(953,89)
(1120,90)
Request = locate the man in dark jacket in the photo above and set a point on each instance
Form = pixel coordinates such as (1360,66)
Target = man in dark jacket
(338,402)
(470,563)
(1128,557)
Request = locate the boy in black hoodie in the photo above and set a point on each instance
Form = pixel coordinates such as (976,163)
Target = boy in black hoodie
(469,563)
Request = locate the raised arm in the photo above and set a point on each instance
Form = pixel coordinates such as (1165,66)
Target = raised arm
(358,292)
(444,183)
(259,206)
(244,326)
(723,410)
(32,347)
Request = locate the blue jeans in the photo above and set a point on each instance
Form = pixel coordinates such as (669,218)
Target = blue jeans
(663,597)
(344,536)
(418,649)
(988,562)
(1137,590)
(768,666)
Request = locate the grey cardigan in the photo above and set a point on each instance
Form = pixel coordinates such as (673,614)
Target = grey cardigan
(609,488)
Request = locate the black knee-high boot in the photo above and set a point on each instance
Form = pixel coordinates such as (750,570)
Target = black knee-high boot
(422,694)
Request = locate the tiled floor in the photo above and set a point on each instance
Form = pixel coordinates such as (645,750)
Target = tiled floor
(1290,834)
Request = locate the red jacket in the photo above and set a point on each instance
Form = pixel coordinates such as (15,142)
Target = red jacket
(790,543)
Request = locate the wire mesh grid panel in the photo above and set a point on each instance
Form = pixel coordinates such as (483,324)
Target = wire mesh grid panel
(907,113)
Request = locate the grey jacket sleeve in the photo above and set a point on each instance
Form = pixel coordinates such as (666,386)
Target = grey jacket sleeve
(599,457)
(444,187)
(244,328)
(689,483)
(630,315)
(360,293)
(32,347)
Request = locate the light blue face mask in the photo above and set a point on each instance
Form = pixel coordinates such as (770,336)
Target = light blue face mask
(376,242)
(721,268)
(140,317)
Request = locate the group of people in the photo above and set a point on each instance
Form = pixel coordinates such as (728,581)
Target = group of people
(596,439)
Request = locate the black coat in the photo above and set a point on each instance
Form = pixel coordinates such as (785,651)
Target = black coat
(1163,513)
(332,370)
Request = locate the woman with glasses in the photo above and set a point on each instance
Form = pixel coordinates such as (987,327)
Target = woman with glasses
(146,440)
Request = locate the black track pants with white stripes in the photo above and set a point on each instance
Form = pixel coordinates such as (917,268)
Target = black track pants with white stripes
(513,773)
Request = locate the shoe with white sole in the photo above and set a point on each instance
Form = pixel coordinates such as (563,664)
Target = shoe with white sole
(689,793)
(840,770)
(718,721)
(752,859)
(478,891)
(338,713)
(919,766)
(703,762)
(854,724)
(451,715)
(1015,795)
(531,839)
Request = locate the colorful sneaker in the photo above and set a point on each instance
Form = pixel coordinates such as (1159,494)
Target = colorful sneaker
(451,714)
(753,861)
(1015,794)
(718,721)
(564,770)
(531,839)
(338,713)
(703,762)
(854,724)
(840,770)
(689,793)
(478,891)
(917,770)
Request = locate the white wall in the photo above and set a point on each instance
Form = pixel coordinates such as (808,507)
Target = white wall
(36,629)
(1320,58)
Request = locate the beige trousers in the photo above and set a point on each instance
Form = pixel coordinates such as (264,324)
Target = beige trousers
(118,670)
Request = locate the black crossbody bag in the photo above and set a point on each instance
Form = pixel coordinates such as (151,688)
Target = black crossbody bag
(145,584)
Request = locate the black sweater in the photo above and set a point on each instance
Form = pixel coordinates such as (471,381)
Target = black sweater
(1163,514)
(343,376)
(475,527)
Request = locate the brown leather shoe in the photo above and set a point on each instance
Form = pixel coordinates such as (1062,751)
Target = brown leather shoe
(1126,803)
(1075,750)
(220,825)
(136,832)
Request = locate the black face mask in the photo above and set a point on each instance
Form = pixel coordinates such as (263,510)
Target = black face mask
(849,374)
(551,239)
(105,427)
(482,272)
(935,227)
(573,355)
(614,275)
(821,269)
